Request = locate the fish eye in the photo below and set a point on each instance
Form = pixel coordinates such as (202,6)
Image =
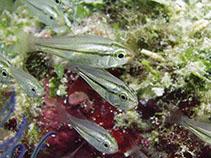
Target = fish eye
(51,17)
(4,73)
(105,145)
(33,90)
(123,97)
(120,54)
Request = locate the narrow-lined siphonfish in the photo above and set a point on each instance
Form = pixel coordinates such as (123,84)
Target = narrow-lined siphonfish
(26,81)
(135,151)
(84,50)
(94,134)
(112,89)
(201,130)
(47,11)
(5,76)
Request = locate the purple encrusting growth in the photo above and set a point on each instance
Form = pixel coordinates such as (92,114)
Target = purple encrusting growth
(21,147)
(9,146)
(8,109)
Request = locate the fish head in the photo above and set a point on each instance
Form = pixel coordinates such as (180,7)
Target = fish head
(121,55)
(123,98)
(33,88)
(27,82)
(5,77)
(48,12)
(108,145)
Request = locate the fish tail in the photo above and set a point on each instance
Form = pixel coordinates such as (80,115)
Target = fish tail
(176,117)
(24,41)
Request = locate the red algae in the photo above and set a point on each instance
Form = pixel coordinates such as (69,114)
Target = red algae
(83,102)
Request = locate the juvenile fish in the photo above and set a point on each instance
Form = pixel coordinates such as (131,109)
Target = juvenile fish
(94,134)
(112,89)
(201,130)
(47,11)
(84,50)
(5,76)
(135,151)
(26,81)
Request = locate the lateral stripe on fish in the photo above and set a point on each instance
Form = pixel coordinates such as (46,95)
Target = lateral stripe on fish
(82,52)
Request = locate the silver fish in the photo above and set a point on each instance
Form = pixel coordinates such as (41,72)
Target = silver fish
(201,130)
(135,151)
(26,81)
(94,134)
(5,76)
(84,50)
(47,11)
(112,89)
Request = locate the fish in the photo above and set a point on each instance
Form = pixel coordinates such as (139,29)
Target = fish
(5,76)
(84,50)
(48,12)
(111,88)
(93,133)
(201,130)
(135,151)
(26,81)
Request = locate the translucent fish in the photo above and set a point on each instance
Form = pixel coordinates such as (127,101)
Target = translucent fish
(5,76)
(201,130)
(84,50)
(8,147)
(39,146)
(135,151)
(26,81)
(7,109)
(94,134)
(47,12)
(112,89)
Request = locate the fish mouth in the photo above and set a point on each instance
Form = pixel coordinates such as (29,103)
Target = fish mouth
(133,108)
